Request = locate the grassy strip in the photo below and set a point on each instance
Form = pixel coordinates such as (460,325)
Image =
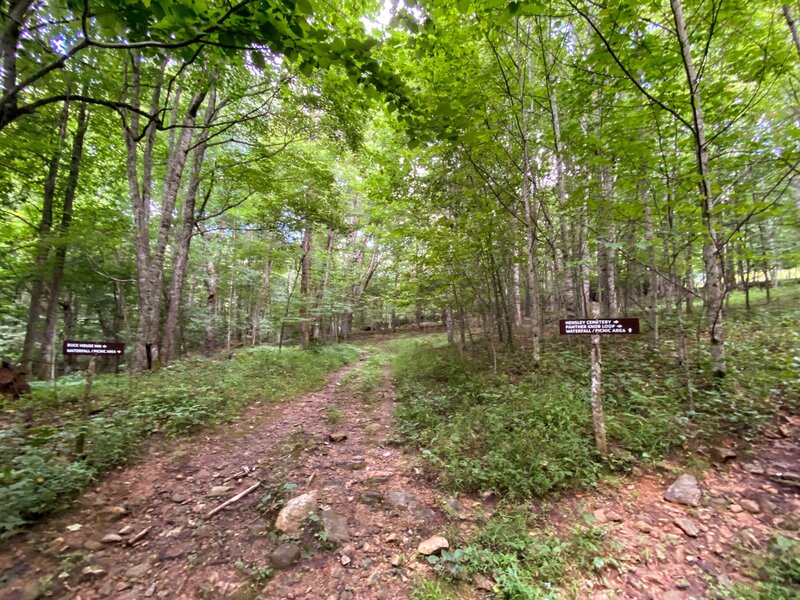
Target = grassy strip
(522,432)
(39,471)
(364,382)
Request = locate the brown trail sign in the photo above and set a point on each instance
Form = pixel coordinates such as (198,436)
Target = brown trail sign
(596,328)
(93,349)
(619,326)
(74,347)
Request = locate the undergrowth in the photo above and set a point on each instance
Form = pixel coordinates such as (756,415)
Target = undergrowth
(776,573)
(39,469)
(523,431)
(522,556)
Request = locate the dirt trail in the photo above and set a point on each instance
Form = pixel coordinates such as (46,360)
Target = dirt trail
(377,507)
(169,491)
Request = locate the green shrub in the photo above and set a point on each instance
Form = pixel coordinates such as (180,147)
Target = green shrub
(524,558)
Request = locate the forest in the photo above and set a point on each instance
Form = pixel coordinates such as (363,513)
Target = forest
(355,227)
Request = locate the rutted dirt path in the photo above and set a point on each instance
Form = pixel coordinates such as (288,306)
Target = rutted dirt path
(183,554)
(378,507)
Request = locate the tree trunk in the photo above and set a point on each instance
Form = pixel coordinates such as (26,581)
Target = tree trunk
(43,247)
(787,12)
(448,323)
(13,20)
(184,241)
(517,294)
(318,330)
(142,354)
(262,303)
(583,282)
(305,275)
(598,417)
(652,291)
(690,280)
(231,308)
(607,256)
(150,261)
(70,308)
(530,204)
(48,338)
(211,306)
(714,291)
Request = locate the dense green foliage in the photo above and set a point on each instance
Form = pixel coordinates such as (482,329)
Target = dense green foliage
(185,176)
(39,469)
(525,432)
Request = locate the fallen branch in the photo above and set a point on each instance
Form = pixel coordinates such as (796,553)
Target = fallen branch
(243,473)
(236,498)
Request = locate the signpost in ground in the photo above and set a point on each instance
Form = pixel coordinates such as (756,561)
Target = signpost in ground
(596,328)
(92,349)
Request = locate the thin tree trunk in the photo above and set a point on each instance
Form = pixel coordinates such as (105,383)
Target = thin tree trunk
(683,354)
(598,417)
(43,247)
(530,204)
(262,303)
(652,295)
(714,292)
(231,308)
(318,329)
(70,308)
(570,303)
(517,294)
(211,305)
(48,339)
(583,266)
(607,256)
(305,276)
(787,12)
(291,284)
(690,280)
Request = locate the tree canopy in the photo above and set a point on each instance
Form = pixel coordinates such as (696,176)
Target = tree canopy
(190,175)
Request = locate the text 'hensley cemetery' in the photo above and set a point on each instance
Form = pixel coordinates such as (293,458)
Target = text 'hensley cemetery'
(598,326)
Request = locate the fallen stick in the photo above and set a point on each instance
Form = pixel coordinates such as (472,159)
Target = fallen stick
(139,535)
(236,498)
(240,474)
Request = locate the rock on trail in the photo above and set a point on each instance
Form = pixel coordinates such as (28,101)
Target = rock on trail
(291,516)
(684,491)
(432,545)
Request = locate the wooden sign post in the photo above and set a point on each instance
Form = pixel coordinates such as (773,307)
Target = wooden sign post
(596,328)
(92,349)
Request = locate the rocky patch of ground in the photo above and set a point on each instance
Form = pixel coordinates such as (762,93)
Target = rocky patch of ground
(682,541)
